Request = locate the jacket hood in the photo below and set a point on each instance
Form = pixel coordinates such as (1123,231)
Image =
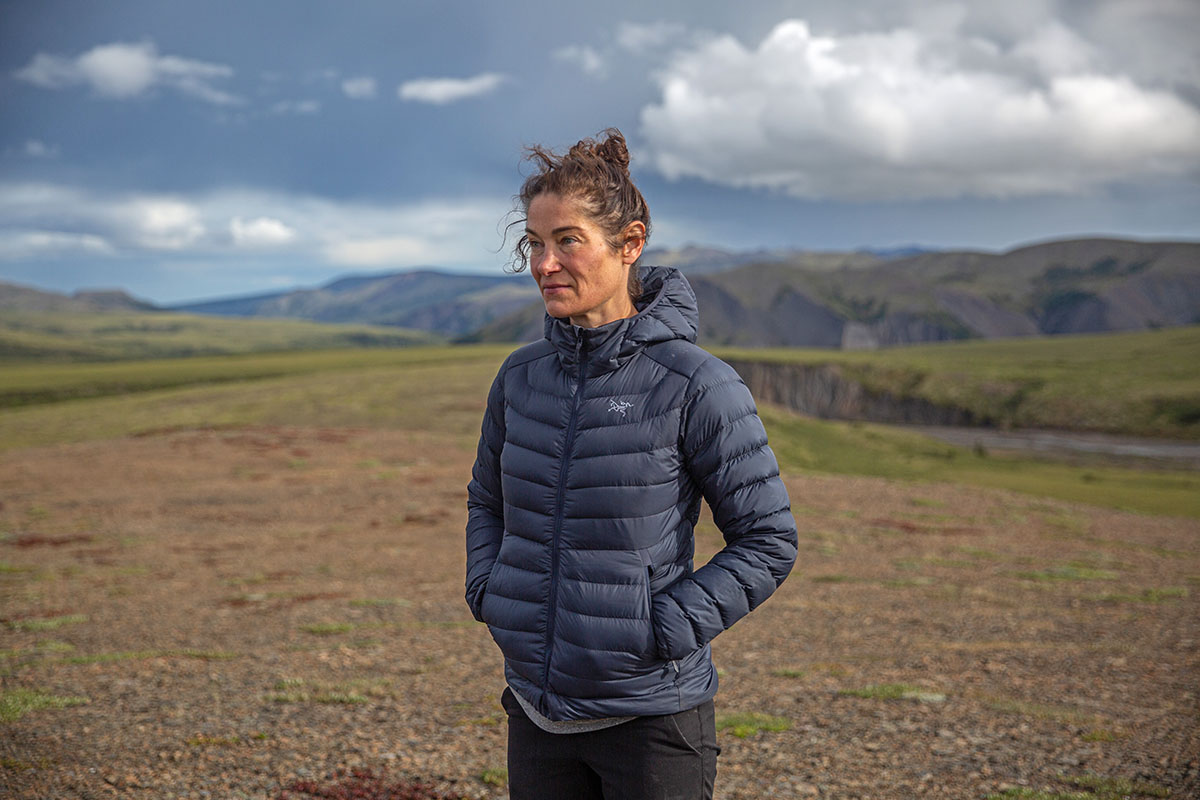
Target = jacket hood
(666,310)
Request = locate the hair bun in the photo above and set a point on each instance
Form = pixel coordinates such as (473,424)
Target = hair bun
(613,149)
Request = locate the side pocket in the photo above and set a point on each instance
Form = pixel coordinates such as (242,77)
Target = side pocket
(648,595)
(647,575)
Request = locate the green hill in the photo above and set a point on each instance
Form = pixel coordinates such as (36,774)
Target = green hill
(1143,383)
(443,389)
(112,336)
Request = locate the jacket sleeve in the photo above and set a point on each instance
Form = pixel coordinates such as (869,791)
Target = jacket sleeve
(485,499)
(725,450)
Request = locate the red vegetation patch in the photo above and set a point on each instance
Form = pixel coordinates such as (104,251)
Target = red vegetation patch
(365,784)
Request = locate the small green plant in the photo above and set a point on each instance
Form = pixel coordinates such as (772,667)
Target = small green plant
(1042,711)
(1069,573)
(1144,596)
(356,692)
(895,691)
(142,655)
(203,740)
(16,703)
(495,777)
(485,721)
(788,673)
(749,723)
(48,624)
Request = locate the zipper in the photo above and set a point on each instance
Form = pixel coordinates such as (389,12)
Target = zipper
(559,502)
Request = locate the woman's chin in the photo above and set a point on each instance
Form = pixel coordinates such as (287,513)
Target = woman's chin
(558,309)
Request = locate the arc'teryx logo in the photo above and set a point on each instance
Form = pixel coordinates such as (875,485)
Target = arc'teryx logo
(619,406)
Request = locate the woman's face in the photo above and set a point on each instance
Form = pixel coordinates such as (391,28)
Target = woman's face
(580,276)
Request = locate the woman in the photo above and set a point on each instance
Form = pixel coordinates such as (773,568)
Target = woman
(598,443)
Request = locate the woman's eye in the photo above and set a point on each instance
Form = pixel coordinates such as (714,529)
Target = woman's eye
(569,240)
(535,245)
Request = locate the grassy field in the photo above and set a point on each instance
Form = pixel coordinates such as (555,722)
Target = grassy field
(1143,383)
(442,389)
(64,336)
(31,384)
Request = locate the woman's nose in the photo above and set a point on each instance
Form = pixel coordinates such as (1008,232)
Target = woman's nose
(548,262)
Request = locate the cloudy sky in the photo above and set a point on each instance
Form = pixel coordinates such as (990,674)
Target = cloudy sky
(192,149)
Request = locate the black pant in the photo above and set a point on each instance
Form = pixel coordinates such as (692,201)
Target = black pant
(671,757)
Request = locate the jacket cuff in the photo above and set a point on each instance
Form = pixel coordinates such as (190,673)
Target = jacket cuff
(475,600)
(673,633)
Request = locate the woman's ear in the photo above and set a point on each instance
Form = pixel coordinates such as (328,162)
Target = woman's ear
(635,239)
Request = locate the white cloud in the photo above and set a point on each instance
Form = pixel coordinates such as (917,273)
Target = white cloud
(26,244)
(361,88)
(35,148)
(260,232)
(454,232)
(124,70)
(441,91)
(161,223)
(584,57)
(296,107)
(912,113)
(381,252)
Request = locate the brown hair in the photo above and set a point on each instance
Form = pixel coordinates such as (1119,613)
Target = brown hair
(595,174)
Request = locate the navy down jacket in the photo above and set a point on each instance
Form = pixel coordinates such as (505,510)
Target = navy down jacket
(596,448)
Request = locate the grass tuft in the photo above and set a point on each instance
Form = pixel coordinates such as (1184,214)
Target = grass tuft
(495,777)
(48,624)
(788,673)
(1069,573)
(203,740)
(16,703)
(142,655)
(749,723)
(895,691)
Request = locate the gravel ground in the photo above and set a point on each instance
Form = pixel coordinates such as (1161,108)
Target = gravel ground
(220,613)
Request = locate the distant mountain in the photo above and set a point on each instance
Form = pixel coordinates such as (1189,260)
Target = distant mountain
(1082,286)
(863,300)
(447,303)
(786,298)
(697,260)
(14,297)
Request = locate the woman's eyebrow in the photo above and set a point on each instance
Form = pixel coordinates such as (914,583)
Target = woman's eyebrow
(556,231)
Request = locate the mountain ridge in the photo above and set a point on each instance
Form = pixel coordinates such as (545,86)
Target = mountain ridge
(784,298)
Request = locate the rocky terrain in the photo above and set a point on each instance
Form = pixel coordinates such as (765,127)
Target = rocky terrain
(220,613)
